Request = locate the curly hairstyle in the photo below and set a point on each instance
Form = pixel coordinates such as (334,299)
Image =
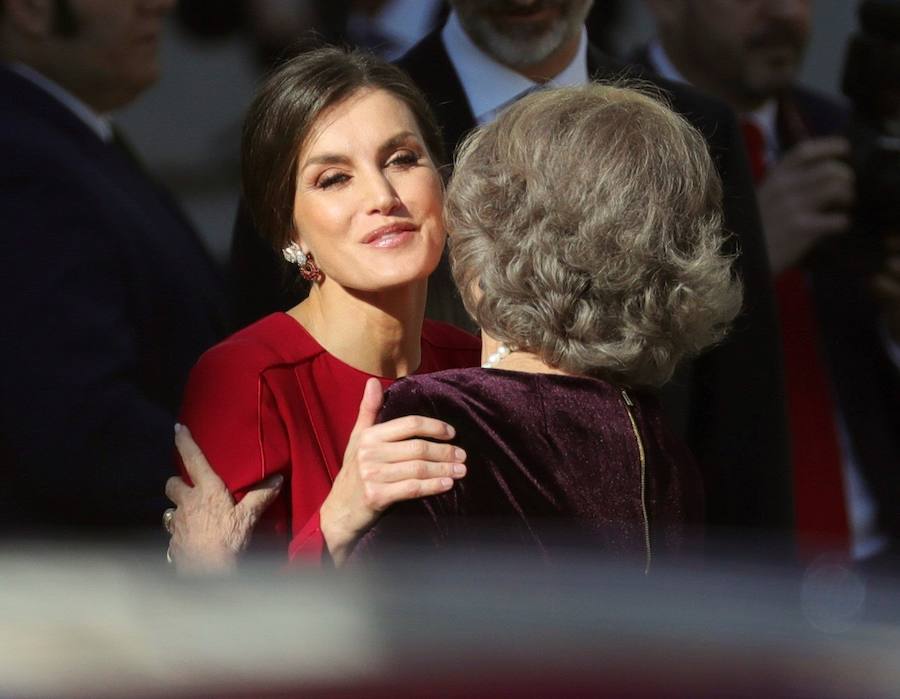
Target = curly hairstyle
(585,226)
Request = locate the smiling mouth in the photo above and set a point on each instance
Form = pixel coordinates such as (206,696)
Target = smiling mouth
(390,236)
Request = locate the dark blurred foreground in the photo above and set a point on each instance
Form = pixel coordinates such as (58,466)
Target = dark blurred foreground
(89,623)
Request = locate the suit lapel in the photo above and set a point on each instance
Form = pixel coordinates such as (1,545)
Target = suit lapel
(429,66)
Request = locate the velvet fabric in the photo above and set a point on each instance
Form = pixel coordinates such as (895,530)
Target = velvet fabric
(553,460)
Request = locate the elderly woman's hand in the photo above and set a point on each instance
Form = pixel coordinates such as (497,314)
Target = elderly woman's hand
(384,464)
(208,529)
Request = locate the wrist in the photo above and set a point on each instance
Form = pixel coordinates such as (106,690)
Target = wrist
(207,562)
(337,538)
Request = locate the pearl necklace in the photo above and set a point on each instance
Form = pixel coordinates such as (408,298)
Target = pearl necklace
(494,358)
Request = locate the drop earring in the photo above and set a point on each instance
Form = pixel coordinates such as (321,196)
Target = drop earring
(294,254)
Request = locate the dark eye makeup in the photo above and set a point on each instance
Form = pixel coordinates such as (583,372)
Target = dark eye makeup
(402,159)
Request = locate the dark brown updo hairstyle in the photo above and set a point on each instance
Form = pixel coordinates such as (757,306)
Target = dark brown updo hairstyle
(282,114)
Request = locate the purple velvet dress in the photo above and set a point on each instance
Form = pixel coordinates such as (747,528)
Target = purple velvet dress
(553,460)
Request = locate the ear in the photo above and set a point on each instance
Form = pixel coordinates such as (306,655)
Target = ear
(32,18)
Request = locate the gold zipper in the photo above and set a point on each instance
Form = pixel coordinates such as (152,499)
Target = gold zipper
(640,444)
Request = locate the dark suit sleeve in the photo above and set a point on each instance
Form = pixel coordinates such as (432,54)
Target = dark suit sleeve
(739,415)
(89,446)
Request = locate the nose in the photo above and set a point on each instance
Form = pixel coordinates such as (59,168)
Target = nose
(382,197)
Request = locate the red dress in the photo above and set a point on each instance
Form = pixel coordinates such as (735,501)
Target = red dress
(270,399)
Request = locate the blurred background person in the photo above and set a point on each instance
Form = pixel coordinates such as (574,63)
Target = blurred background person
(386,27)
(843,389)
(108,296)
(584,312)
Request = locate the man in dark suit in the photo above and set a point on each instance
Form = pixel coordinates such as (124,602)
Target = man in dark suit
(843,388)
(728,403)
(107,295)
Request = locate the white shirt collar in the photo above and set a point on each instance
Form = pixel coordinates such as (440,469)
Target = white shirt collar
(490,86)
(766,117)
(404,22)
(97,123)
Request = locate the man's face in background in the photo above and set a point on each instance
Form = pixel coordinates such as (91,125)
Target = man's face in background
(521,33)
(754,47)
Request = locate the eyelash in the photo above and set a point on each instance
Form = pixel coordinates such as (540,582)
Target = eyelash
(404,159)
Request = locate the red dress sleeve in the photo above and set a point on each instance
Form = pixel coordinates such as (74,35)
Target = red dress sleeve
(232,415)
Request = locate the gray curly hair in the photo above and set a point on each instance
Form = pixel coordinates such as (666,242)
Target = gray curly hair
(585,226)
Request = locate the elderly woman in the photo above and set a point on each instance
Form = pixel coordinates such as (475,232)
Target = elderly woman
(586,242)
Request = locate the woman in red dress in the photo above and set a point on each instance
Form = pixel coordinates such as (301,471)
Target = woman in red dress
(338,159)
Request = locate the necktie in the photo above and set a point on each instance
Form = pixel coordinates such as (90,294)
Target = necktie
(755,143)
(819,501)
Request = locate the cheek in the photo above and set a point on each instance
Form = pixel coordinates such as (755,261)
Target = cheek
(318,222)
(426,195)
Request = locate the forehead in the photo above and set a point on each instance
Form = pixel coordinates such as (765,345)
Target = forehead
(367,117)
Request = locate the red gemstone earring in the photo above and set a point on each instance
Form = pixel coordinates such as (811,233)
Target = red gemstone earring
(309,270)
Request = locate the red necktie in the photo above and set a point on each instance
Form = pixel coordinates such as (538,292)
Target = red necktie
(819,505)
(755,143)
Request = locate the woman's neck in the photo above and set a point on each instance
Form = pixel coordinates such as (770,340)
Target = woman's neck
(378,332)
(515,360)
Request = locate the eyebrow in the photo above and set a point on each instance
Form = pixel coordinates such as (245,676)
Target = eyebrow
(337,159)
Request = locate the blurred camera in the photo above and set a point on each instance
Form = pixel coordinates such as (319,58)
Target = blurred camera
(872,82)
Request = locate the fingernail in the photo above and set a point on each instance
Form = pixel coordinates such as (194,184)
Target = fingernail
(459,470)
(277,481)
(450,430)
(459,454)
(446,482)
(178,427)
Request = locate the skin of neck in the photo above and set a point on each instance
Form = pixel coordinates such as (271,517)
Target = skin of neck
(554,64)
(376,332)
(697,74)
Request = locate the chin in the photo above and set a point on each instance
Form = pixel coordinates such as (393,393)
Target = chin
(397,271)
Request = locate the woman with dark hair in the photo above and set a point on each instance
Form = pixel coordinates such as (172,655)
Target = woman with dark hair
(338,169)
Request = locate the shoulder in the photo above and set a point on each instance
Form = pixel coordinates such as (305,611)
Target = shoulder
(445,346)
(424,53)
(273,341)
(433,395)
(227,399)
(445,336)
(699,109)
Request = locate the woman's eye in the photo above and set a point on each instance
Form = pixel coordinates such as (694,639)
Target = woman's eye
(404,158)
(331,180)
